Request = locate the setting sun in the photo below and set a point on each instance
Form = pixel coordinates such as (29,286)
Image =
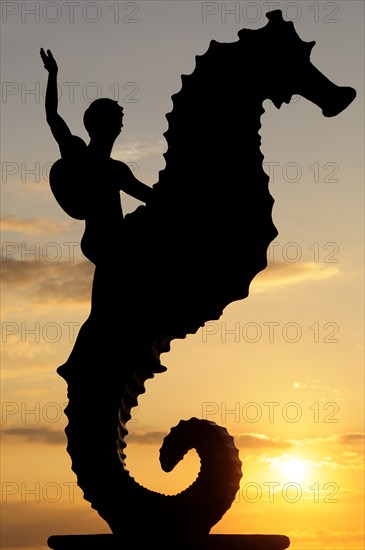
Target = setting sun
(294,469)
(290,468)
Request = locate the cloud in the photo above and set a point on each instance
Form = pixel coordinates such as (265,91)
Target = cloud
(260,441)
(349,439)
(60,282)
(356,438)
(146,438)
(246,441)
(283,273)
(336,452)
(327,538)
(343,447)
(314,384)
(39,434)
(34,226)
(134,150)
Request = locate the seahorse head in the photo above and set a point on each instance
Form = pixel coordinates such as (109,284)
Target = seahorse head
(280,60)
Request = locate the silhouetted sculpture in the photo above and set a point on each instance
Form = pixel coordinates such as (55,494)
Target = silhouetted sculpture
(172,265)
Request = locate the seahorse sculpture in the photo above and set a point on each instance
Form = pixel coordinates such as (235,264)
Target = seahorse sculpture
(191,251)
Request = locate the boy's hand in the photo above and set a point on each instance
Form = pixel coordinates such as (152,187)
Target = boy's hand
(49,61)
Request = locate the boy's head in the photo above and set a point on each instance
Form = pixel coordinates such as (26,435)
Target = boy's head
(103,117)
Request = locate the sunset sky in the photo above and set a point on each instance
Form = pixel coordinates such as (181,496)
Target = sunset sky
(283,369)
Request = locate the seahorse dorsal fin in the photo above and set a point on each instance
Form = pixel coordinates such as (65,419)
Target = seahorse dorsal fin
(275,16)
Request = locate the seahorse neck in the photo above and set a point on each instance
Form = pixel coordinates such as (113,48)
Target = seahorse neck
(251,136)
(233,139)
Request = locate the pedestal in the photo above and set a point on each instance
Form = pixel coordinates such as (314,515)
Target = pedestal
(211,542)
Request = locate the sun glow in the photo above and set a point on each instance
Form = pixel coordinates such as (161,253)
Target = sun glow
(294,469)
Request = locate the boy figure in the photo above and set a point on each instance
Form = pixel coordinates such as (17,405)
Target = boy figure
(86,181)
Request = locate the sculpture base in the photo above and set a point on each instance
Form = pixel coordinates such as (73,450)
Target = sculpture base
(211,542)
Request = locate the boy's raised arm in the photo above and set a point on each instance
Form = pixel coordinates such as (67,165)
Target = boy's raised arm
(59,128)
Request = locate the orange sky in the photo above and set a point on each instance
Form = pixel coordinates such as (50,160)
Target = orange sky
(281,370)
